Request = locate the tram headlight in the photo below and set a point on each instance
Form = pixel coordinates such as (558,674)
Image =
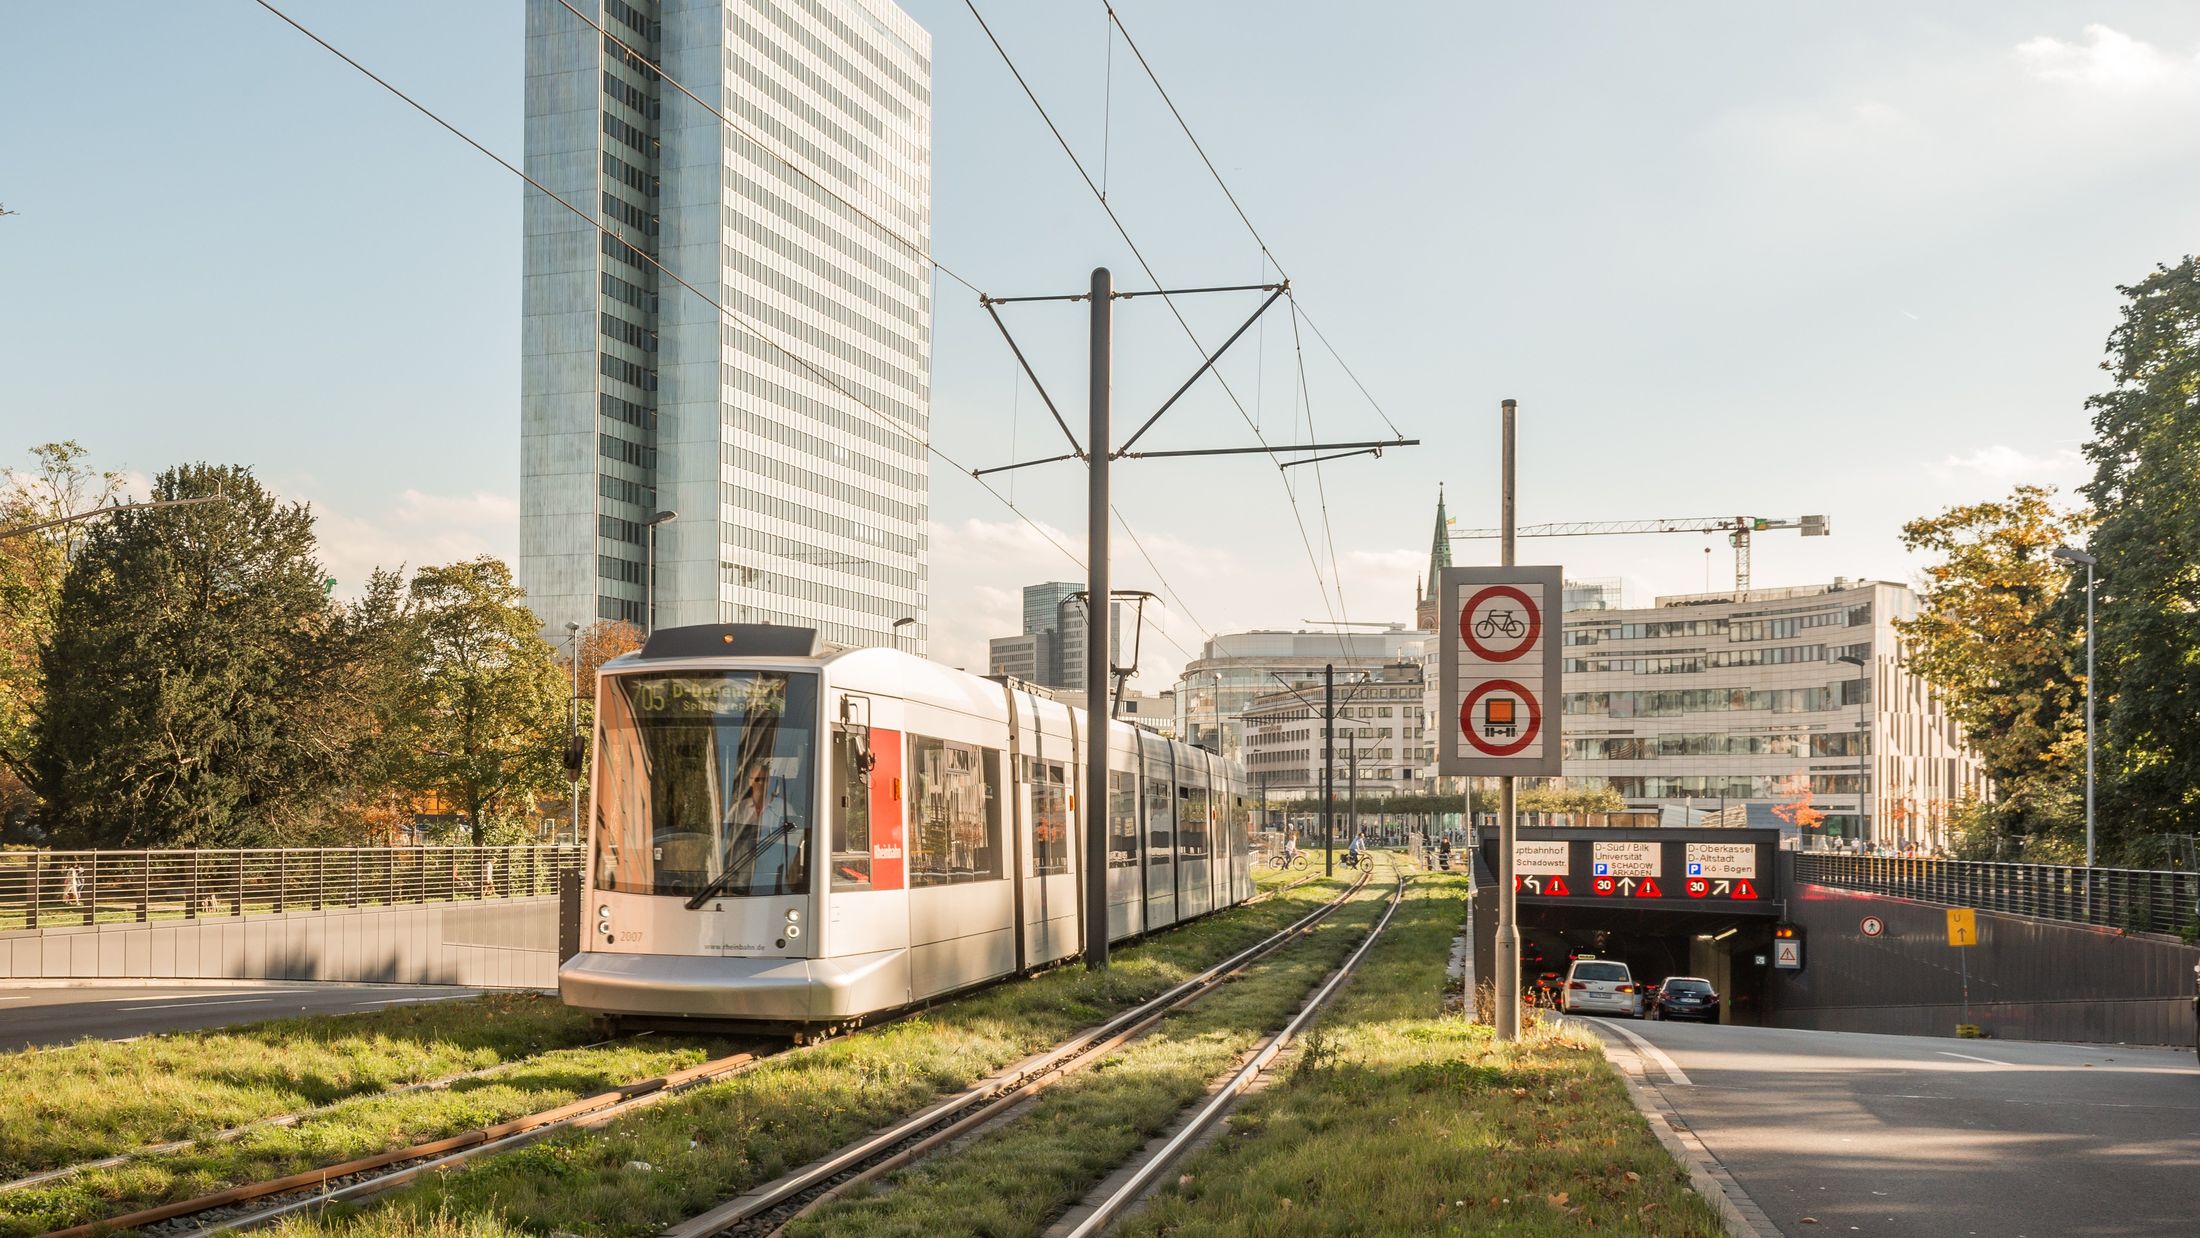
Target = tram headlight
(794,916)
(793,932)
(604,912)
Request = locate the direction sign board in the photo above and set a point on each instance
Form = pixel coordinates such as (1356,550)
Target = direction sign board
(1626,859)
(1962,927)
(1541,859)
(1723,860)
(1499,663)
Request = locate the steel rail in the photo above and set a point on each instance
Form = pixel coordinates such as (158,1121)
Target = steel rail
(1135,1187)
(234,1133)
(448,1150)
(1084,1044)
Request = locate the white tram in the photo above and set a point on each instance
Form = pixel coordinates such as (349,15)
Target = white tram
(789,833)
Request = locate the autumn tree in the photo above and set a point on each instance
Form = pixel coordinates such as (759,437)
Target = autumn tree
(184,675)
(2145,453)
(1993,636)
(33,562)
(486,721)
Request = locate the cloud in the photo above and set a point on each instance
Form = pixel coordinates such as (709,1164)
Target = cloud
(2108,62)
(2001,463)
(413,530)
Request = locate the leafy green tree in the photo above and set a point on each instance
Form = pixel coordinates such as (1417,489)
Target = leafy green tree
(1994,636)
(2145,453)
(486,722)
(32,565)
(182,675)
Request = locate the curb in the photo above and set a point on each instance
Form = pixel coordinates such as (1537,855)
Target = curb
(1737,1211)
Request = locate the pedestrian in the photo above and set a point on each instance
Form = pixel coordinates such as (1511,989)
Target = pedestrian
(72,886)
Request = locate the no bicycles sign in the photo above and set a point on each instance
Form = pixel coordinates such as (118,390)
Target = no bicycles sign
(1499,663)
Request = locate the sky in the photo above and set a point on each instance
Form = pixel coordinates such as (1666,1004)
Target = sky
(1731,258)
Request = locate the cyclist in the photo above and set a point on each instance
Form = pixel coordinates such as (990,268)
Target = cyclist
(1358,850)
(1290,848)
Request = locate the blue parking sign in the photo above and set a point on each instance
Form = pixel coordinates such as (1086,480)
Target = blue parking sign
(1695,868)
(1603,869)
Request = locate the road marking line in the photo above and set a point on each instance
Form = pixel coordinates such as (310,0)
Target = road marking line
(392,1001)
(1667,1064)
(196,1003)
(1967,1057)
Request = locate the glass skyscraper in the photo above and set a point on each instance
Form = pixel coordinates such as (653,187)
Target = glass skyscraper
(785,434)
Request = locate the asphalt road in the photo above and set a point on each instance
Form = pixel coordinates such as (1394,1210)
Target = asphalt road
(1908,1135)
(55,1016)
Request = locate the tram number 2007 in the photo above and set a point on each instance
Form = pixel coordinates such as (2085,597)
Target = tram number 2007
(628,935)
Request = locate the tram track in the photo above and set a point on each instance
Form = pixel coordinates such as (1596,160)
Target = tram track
(253,1204)
(769,1208)
(1138,1177)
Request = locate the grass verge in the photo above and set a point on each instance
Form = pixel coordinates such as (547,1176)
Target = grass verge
(344,1131)
(96,1098)
(1018,1176)
(1400,1116)
(645,1172)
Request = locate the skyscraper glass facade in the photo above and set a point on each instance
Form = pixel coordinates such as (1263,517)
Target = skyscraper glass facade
(785,433)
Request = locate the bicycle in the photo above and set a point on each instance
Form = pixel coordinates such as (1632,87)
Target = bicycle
(1500,621)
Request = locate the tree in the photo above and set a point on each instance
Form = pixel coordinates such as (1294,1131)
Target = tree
(182,672)
(600,642)
(487,720)
(2145,453)
(32,565)
(1994,637)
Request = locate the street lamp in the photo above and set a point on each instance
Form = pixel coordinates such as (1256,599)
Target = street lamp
(1863,706)
(899,624)
(2067,555)
(649,604)
(573,729)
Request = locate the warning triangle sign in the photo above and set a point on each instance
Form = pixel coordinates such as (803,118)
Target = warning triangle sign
(1557,886)
(1744,889)
(1649,889)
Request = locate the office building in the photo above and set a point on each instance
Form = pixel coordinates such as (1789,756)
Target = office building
(784,434)
(1380,733)
(1743,711)
(1051,648)
(1233,670)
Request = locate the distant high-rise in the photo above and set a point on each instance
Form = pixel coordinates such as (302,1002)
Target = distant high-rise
(1051,649)
(771,430)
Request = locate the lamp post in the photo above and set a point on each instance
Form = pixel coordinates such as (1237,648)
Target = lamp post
(649,574)
(2067,555)
(1863,708)
(899,624)
(573,728)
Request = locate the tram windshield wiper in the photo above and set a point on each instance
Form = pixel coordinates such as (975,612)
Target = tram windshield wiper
(717,885)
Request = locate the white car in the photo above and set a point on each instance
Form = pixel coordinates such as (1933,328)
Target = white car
(1600,986)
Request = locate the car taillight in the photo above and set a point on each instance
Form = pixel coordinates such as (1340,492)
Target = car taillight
(1627,988)
(1576,984)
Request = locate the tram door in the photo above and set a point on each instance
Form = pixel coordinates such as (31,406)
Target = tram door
(1158,786)
(866,896)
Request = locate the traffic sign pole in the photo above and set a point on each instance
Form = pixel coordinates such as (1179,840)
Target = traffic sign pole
(1507,980)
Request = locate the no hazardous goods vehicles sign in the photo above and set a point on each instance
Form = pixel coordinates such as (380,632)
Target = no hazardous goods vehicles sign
(1500,669)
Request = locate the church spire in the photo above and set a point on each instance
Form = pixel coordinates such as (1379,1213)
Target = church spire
(1439,558)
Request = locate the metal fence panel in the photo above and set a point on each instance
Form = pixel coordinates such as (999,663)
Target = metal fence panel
(47,889)
(2136,900)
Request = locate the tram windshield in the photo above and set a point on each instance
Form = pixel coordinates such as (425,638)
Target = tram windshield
(703,783)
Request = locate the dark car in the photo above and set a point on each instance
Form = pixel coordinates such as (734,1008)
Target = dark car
(1686,997)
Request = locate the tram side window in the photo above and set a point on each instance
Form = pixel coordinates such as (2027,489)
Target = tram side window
(1191,821)
(955,813)
(1160,819)
(1122,820)
(850,809)
(1049,817)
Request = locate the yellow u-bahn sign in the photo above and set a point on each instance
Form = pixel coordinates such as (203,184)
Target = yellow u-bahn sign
(1962,927)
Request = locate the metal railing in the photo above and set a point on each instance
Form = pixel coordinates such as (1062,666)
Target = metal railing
(48,889)
(2136,899)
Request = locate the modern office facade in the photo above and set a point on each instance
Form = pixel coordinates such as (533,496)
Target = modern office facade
(1051,649)
(1742,710)
(1380,734)
(785,434)
(1233,670)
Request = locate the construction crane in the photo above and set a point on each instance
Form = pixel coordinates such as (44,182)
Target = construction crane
(1738,530)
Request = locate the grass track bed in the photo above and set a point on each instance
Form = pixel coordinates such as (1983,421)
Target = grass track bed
(98,1098)
(1399,1117)
(345,1131)
(1018,1176)
(710,1144)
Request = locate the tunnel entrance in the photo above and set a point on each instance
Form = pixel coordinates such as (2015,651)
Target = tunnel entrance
(1677,902)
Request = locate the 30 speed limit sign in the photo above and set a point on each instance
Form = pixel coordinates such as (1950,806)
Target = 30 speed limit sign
(1873,926)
